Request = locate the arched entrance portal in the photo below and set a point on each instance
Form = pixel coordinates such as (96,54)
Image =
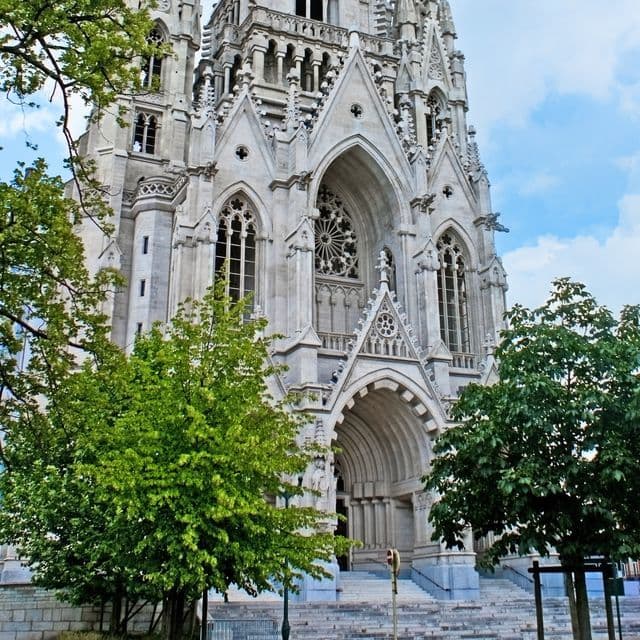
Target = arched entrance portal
(382,454)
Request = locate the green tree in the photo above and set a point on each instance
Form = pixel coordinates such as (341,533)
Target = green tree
(546,458)
(178,453)
(48,302)
(49,305)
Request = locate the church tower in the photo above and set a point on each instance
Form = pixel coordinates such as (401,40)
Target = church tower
(318,156)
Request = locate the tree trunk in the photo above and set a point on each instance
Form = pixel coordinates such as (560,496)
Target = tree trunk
(571,595)
(582,606)
(578,601)
(173,615)
(116,611)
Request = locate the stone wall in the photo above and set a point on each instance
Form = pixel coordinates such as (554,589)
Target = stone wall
(32,613)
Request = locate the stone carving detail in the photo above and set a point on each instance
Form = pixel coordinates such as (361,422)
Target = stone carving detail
(436,64)
(492,223)
(384,337)
(386,325)
(159,186)
(322,483)
(336,242)
(164,5)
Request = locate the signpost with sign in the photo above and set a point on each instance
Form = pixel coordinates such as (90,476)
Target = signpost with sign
(393,560)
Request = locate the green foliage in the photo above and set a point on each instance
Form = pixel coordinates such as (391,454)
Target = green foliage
(157,473)
(548,455)
(88,47)
(47,301)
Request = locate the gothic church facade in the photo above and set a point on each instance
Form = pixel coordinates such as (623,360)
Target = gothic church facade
(316,154)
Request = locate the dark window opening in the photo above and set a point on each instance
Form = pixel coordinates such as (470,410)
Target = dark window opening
(143,288)
(144,133)
(145,244)
(316,10)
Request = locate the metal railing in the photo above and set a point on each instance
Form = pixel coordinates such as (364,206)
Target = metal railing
(431,580)
(254,629)
(522,580)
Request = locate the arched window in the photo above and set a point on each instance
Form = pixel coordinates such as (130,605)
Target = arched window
(152,65)
(452,295)
(236,248)
(237,65)
(145,132)
(271,63)
(434,108)
(288,63)
(306,72)
(336,242)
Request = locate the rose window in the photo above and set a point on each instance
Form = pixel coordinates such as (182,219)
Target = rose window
(386,325)
(336,244)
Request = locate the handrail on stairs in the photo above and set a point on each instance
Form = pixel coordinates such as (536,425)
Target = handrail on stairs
(518,573)
(430,579)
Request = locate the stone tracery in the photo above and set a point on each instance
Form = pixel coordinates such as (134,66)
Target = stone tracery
(336,242)
(236,247)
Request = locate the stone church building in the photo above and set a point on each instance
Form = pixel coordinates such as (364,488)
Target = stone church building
(316,154)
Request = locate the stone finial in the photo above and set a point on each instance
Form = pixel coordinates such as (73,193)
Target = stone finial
(292,117)
(489,344)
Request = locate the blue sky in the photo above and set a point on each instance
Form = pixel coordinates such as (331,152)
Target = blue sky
(554,92)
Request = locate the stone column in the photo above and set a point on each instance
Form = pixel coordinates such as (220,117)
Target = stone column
(381,529)
(369,525)
(258,62)
(280,65)
(316,75)
(356,519)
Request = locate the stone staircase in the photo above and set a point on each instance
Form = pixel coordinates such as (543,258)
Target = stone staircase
(363,612)
(362,586)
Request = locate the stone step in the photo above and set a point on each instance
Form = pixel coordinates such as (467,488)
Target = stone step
(503,612)
(363,586)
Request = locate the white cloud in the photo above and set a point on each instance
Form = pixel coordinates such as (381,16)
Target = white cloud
(609,266)
(521,52)
(539,183)
(17,121)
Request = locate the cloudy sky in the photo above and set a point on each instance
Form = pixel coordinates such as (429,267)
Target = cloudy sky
(554,89)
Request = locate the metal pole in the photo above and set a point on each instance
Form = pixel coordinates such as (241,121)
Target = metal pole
(608,583)
(394,598)
(286,627)
(392,561)
(205,615)
(537,587)
(615,575)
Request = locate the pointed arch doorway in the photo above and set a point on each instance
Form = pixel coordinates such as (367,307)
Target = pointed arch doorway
(382,452)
